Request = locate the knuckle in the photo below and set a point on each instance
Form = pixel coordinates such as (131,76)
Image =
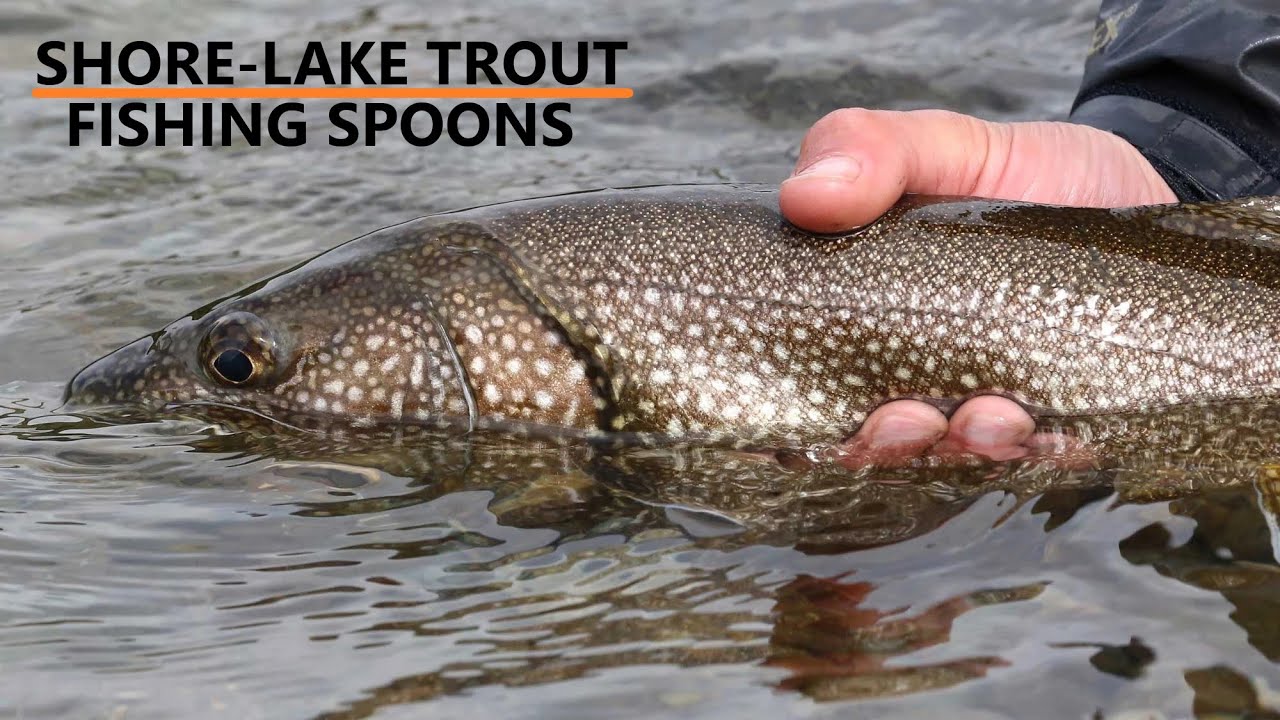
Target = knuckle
(843,119)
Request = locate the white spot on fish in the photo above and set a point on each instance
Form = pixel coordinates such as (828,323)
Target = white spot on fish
(415,372)
(491,393)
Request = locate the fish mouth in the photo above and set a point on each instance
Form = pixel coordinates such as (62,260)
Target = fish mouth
(153,375)
(114,388)
(237,416)
(113,379)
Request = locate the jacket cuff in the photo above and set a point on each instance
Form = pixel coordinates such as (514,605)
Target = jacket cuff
(1195,160)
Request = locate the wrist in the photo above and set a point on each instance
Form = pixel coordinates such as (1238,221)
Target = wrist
(1195,160)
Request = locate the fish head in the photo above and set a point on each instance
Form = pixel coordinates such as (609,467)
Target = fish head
(342,337)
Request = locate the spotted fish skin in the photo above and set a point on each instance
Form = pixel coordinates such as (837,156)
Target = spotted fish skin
(698,312)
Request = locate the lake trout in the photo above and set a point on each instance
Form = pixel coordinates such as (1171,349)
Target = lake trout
(696,313)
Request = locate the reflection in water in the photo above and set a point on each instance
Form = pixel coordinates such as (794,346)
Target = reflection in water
(837,649)
(1126,661)
(1229,552)
(1222,692)
(414,568)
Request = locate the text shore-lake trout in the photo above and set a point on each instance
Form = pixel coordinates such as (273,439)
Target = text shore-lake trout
(697,313)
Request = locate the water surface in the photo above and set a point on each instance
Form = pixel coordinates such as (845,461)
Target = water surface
(169,569)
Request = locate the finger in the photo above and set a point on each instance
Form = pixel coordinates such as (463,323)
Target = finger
(854,164)
(1063,450)
(893,433)
(991,425)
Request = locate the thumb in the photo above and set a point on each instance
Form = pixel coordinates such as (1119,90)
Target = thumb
(854,164)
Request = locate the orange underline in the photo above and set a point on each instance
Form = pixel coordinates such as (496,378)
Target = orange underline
(326,93)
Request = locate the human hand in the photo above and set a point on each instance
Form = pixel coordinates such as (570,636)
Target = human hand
(854,164)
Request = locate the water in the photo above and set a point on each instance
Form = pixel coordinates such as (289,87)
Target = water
(169,569)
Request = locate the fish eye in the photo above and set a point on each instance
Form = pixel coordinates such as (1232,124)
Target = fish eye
(238,351)
(234,366)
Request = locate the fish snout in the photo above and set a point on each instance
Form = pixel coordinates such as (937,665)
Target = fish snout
(115,378)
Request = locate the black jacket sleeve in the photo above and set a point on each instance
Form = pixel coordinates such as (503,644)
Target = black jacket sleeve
(1195,86)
